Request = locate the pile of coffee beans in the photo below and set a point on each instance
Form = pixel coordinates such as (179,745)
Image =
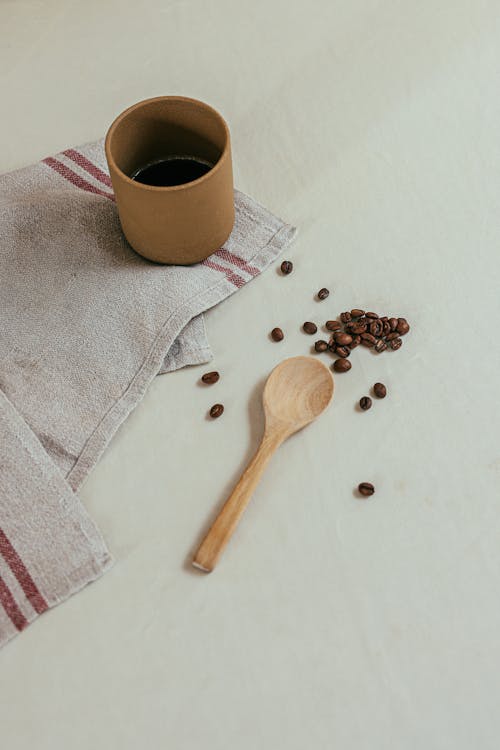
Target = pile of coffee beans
(360,328)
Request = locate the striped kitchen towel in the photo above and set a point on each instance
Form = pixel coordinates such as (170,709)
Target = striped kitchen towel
(85,326)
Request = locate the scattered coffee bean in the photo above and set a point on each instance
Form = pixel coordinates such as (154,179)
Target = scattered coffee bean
(332,325)
(359,327)
(393,322)
(277,334)
(391,336)
(321,346)
(386,328)
(332,347)
(309,327)
(367,339)
(210,377)
(323,293)
(402,326)
(365,403)
(366,488)
(357,313)
(356,341)
(286,267)
(342,351)
(342,338)
(216,410)
(380,346)
(380,390)
(376,328)
(372,315)
(345,317)
(342,365)
(396,344)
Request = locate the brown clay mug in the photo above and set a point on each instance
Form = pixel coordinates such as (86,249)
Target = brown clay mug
(183,223)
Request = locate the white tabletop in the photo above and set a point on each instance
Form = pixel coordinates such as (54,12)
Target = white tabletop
(331,622)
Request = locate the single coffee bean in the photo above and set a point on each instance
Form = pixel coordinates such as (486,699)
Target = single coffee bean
(380,346)
(356,341)
(358,327)
(216,410)
(345,317)
(321,346)
(357,313)
(393,322)
(368,337)
(366,488)
(365,403)
(372,315)
(342,365)
(342,338)
(309,327)
(367,343)
(386,328)
(391,336)
(332,325)
(277,334)
(210,377)
(323,293)
(375,328)
(396,344)
(384,319)
(380,390)
(286,267)
(342,351)
(402,326)
(332,347)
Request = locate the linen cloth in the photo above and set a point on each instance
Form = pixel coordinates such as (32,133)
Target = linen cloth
(86,324)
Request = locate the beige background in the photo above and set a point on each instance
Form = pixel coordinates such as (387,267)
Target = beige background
(332,622)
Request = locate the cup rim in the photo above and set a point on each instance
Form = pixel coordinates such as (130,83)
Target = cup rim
(173,99)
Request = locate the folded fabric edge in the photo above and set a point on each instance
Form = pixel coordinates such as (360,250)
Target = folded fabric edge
(49,546)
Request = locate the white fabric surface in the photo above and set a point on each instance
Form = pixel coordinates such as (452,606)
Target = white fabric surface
(331,622)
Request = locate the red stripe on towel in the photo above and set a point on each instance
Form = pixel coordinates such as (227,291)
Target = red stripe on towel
(20,571)
(9,604)
(230,257)
(74,178)
(88,166)
(234,278)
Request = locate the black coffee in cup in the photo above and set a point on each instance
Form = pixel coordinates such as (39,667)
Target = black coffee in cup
(174,170)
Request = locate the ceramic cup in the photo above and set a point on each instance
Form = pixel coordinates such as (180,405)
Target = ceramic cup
(184,223)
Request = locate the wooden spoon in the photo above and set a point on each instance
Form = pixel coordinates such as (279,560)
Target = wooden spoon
(296,392)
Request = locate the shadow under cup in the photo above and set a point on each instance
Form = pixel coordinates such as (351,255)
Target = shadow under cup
(179,224)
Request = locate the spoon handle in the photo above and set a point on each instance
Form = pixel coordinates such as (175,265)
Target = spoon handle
(222,528)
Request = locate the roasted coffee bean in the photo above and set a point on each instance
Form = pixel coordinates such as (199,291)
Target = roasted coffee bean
(368,337)
(321,346)
(342,338)
(366,488)
(309,327)
(332,325)
(345,317)
(210,377)
(386,328)
(402,326)
(342,351)
(277,334)
(356,341)
(366,342)
(376,327)
(365,403)
(380,346)
(359,327)
(380,390)
(384,319)
(216,410)
(396,344)
(391,336)
(393,322)
(332,347)
(357,313)
(286,267)
(372,315)
(323,293)
(341,365)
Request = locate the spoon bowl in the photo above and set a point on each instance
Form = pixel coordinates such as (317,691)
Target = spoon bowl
(296,392)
